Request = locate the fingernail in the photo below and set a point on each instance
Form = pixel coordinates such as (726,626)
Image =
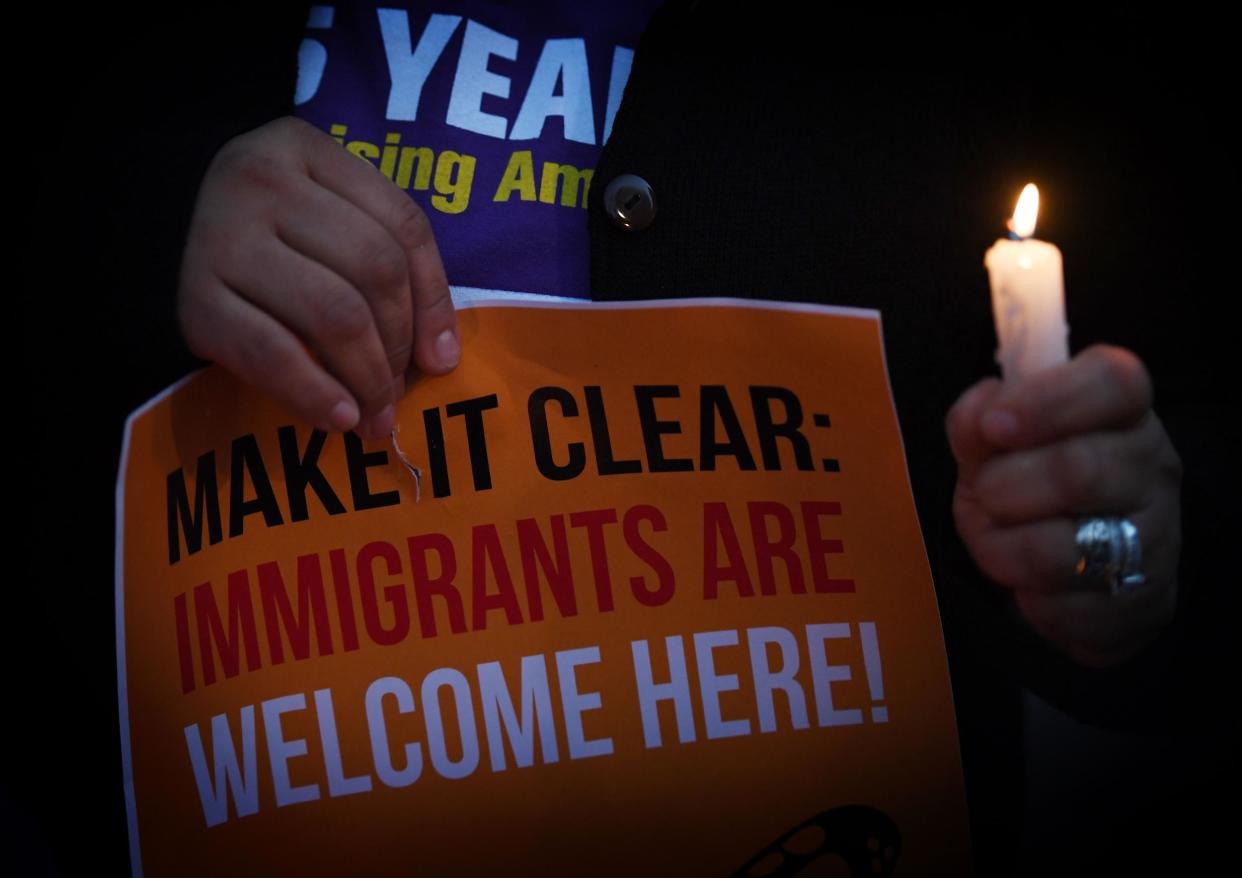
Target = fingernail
(447,349)
(344,415)
(999,425)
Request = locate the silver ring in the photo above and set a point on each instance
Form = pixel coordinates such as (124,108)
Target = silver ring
(1110,555)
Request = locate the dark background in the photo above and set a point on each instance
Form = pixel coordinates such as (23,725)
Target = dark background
(133,106)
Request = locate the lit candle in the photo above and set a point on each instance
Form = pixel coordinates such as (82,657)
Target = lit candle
(1028,295)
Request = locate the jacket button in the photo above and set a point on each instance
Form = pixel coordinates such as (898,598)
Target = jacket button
(630,202)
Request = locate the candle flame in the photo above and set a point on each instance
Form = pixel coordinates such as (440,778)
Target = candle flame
(1023,222)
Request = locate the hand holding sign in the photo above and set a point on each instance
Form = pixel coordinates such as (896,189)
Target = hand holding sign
(1077,439)
(296,244)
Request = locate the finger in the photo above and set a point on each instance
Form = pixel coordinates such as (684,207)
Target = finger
(1043,556)
(436,346)
(966,440)
(1100,629)
(1099,473)
(1103,388)
(332,231)
(259,350)
(324,310)
(1036,557)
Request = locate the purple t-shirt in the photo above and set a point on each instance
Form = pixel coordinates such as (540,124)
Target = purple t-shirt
(491,117)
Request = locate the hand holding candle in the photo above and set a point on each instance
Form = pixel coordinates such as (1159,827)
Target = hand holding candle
(1057,442)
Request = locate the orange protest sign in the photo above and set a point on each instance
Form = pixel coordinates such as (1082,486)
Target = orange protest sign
(647,595)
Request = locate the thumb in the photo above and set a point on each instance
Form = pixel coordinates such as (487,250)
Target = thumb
(437,345)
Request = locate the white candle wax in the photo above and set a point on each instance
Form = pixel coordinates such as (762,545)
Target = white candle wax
(1028,299)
